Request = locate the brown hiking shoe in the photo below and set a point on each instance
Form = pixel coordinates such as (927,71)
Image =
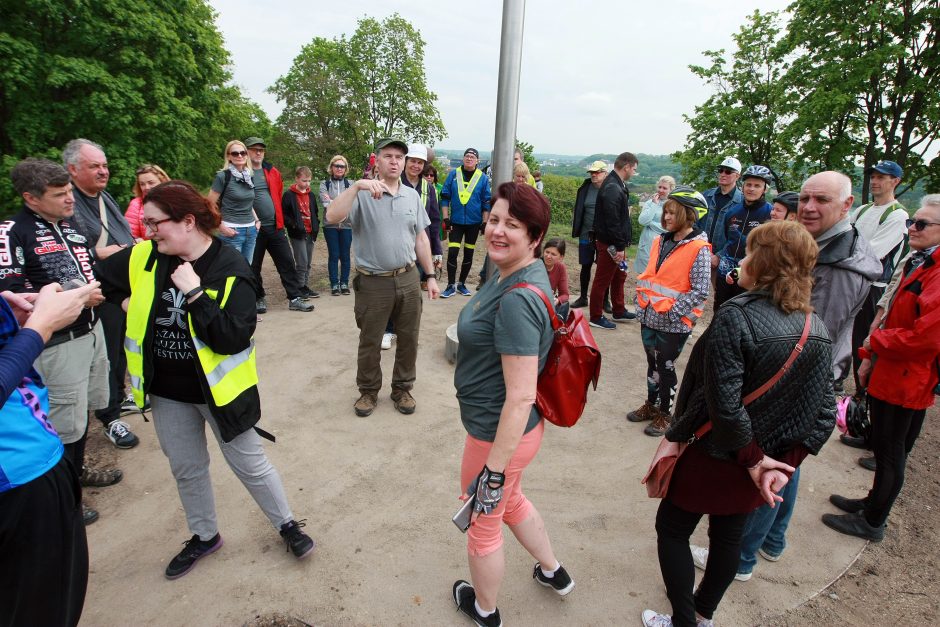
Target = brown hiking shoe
(404,401)
(643,413)
(660,423)
(99,477)
(366,404)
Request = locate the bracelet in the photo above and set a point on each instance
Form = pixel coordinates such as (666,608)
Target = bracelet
(193,292)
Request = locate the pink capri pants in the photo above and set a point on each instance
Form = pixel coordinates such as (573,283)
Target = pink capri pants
(486,533)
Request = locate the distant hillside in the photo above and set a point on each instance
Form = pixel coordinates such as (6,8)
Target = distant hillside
(647,173)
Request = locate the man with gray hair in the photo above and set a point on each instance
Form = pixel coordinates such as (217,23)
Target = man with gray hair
(846,266)
(100,219)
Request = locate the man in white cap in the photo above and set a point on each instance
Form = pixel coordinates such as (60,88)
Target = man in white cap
(719,199)
(582,225)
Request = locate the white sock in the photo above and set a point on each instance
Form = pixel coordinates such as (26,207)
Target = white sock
(483,613)
(550,573)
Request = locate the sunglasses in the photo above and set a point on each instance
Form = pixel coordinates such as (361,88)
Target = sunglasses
(238,153)
(920,225)
(339,166)
(726,171)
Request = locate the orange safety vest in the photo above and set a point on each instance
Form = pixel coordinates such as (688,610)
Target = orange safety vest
(662,287)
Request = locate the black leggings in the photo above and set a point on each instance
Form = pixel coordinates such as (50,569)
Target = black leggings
(468,233)
(674,527)
(894,430)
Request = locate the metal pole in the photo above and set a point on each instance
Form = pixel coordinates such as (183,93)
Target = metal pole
(507,95)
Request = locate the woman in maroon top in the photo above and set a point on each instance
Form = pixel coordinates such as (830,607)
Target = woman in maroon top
(750,452)
(553,255)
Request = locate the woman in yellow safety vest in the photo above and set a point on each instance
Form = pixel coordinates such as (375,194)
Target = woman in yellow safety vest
(670,294)
(190,303)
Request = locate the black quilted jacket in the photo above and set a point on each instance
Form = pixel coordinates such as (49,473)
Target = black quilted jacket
(746,344)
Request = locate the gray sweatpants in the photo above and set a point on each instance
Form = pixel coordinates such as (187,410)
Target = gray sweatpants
(181,431)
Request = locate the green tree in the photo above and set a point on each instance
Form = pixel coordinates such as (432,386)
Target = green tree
(341,95)
(147,80)
(750,109)
(869,84)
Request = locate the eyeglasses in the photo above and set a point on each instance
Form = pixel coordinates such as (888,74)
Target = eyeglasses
(154,225)
(726,171)
(920,225)
(238,153)
(339,166)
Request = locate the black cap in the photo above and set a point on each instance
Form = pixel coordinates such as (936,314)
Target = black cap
(472,151)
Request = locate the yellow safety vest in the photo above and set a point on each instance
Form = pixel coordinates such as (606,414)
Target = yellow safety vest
(465,189)
(228,376)
(662,287)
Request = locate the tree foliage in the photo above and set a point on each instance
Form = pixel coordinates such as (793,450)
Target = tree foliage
(843,86)
(147,80)
(341,95)
(749,109)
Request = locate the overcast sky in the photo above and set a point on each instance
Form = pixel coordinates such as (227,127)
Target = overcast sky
(596,76)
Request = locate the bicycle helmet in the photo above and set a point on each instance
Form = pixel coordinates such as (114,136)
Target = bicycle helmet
(688,197)
(856,417)
(758,172)
(790,200)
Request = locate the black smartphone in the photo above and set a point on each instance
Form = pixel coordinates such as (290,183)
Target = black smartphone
(72,284)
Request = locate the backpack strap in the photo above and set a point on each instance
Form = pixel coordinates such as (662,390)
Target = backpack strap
(556,323)
(228,179)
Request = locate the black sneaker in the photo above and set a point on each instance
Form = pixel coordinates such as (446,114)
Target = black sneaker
(846,504)
(465,598)
(120,435)
(261,305)
(128,406)
(89,515)
(309,293)
(868,463)
(298,304)
(854,442)
(298,543)
(194,549)
(626,316)
(334,290)
(854,525)
(562,583)
(581,302)
(344,289)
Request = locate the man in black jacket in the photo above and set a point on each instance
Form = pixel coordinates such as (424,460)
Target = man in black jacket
(612,235)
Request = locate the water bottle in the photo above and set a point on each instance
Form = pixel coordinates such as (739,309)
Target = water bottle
(612,251)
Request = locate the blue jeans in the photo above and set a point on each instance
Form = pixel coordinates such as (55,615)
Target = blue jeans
(766,528)
(338,242)
(243,241)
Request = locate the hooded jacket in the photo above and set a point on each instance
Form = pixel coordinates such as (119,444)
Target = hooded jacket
(907,346)
(842,278)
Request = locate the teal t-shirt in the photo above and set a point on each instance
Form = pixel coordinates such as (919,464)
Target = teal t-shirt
(498,322)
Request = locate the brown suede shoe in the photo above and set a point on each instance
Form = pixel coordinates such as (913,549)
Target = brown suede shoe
(660,423)
(366,404)
(643,413)
(404,401)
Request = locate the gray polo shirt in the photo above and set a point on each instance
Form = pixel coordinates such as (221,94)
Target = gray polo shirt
(264,205)
(384,230)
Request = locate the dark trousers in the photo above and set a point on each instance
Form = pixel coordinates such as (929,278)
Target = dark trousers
(43,551)
(75,452)
(894,430)
(468,233)
(274,241)
(724,291)
(114,325)
(607,276)
(379,301)
(662,350)
(674,527)
(863,320)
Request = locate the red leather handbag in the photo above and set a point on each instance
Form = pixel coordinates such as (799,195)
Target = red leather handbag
(574,363)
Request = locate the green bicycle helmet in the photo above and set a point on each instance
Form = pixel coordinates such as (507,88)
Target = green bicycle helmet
(688,197)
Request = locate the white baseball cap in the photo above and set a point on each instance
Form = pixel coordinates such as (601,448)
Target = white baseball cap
(731,162)
(417,151)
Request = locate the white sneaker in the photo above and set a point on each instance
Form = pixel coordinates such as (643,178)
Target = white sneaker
(653,619)
(699,556)
(387,341)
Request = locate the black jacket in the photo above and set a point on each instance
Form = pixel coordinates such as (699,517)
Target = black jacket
(578,219)
(226,331)
(747,342)
(292,219)
(612,213)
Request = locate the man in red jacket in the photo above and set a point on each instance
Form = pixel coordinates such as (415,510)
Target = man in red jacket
(901,368)
(269,190)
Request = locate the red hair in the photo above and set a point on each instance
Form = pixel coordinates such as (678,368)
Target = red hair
(178,199)
(528,206)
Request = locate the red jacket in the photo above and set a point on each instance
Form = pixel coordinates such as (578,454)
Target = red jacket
(907,347)
(276,187)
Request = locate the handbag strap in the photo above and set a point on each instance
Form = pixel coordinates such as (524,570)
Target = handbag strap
(756,394)
(556,323)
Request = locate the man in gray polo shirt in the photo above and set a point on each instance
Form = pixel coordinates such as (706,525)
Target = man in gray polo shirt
(388,228)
